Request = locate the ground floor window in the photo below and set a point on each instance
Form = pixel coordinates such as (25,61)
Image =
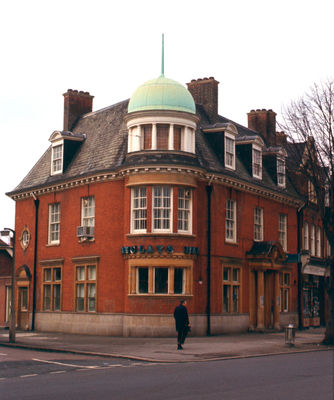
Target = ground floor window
(85,288)
(52,288)
(160,280)
(231,289)
(284,280)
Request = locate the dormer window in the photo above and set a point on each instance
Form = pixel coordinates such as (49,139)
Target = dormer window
(57,159)
(229,151)
(281,172)
(64,145)
(257,161)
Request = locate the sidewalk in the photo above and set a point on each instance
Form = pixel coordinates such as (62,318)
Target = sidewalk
(164,349)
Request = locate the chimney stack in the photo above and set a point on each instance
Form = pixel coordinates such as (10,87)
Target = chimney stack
(76,104)
(205,93)
(264,122)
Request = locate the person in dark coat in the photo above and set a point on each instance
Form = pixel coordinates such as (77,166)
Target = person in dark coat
(181,323)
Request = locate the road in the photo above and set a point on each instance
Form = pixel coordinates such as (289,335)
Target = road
(35,375)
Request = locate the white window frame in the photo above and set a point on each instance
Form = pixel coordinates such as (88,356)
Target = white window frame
(312,240)
(184,217)
(57,159)
(231,221)
(258,224)
(257,150)
(283,230)
(54,223)
(229,137)
(88,211)
(318,242)
(281,178)
(160,209)
(306,236)
(139,209)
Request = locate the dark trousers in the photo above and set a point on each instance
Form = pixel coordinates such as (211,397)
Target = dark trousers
(181,335)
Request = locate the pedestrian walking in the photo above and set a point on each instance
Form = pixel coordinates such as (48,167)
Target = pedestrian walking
(181,323)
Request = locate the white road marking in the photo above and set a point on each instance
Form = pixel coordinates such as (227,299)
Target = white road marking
(57,372)
(66,365)
(3,354)
(28,376)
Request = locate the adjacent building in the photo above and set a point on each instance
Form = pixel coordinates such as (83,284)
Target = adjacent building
(6,264)
(152,200)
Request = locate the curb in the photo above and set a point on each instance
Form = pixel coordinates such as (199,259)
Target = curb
(147,359)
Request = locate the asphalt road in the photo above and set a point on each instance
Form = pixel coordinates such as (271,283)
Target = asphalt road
(35,375)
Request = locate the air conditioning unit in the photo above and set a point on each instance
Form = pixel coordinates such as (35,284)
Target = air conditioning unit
(85,231)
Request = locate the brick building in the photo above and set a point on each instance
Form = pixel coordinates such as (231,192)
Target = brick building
(151,200)
(6,263)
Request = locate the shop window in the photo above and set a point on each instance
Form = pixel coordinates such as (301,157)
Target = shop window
(230,221)
(160,280)
(282,230)
(52,289)
(54,223)
(139,209)
(285,278)
(85,288)
(184,210)
(231,290)
(258,224)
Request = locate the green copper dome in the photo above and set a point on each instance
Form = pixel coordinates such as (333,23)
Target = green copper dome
(162,94)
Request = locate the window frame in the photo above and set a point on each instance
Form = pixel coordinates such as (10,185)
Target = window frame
(85,218)
(57,160)
(231,138)
(256,150)
(142,209)
(281,175)
(52,283)
(54,224)
(312,240)
(186,211)
(151,280)
(232,220)
(85,282)
(230,283)
(283,233)
(306,236)
(258,224)
(285,291)
(318,242)
(162,208)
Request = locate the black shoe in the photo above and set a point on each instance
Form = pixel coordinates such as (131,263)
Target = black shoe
(179,347)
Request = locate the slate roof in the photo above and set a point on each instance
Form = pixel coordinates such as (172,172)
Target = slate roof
(105,150)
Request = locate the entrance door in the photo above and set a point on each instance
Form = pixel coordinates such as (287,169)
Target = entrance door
(23,317)
(269,300)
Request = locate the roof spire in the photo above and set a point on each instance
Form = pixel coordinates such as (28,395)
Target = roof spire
(163,56)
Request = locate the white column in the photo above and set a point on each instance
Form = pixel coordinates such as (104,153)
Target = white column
(138,138)
(193,141)
(171,137)
(130,131)
(154,136)
(186,138)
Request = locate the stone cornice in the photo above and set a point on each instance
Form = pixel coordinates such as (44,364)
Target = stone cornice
(198,173)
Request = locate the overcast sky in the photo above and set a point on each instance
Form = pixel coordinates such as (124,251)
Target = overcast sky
(264,53)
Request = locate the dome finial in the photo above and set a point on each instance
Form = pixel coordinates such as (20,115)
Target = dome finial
(163,56)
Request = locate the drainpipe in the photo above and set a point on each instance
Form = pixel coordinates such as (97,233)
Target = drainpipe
(208,308)
(299,264)
(36,202)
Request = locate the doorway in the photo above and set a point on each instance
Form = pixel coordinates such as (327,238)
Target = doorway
(23,314)
(269,300)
